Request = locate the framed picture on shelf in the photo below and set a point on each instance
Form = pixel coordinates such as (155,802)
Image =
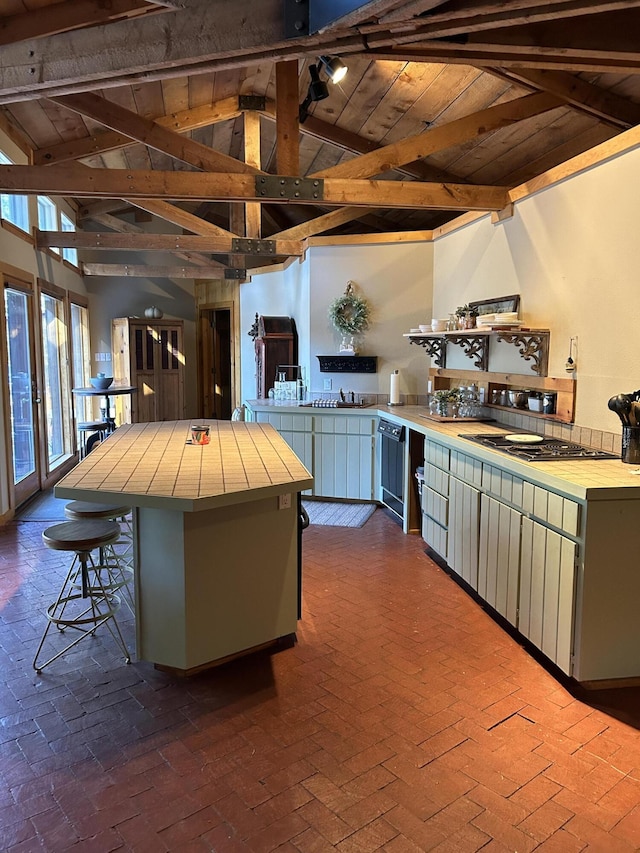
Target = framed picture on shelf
(498,305)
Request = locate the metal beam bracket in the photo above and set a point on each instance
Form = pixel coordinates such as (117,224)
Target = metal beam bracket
(233,272)
(252,102)
(250,246)
(292,189)
(296,18)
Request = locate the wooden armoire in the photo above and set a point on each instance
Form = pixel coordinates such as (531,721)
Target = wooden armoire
(149,355)
(276,344)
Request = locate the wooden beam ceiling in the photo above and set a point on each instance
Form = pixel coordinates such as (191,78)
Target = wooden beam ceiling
(185,186)
(556,35)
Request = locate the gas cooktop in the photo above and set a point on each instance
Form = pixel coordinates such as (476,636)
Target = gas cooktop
(537,448)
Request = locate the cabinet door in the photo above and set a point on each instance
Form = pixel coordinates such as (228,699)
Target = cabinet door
(499,557)
(169,374)
(302,445)
(462,551)
(343,466)
(157,371)
(547,571)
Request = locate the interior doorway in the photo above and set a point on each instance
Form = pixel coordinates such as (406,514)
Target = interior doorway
(216,361)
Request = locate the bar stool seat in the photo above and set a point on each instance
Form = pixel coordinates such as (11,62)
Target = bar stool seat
(94,431)
(85,602)
(119,563)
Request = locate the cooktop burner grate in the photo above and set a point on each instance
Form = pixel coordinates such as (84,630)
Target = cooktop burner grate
(546,450)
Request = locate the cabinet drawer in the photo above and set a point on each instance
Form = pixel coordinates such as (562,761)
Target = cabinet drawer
(466,468)
(502,485)
(344,424)
(556,510)
(434,535)
(435,505)
(437,455)
(437,479)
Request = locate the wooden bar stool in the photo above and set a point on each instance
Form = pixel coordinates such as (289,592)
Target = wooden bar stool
(85,601)
(118,557)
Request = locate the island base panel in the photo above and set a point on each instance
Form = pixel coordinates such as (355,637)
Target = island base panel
(215,583)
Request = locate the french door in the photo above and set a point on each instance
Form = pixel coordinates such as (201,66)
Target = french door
(23,390)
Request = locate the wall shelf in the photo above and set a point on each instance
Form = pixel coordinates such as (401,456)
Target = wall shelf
(532,345)
(348,363)
(563,387)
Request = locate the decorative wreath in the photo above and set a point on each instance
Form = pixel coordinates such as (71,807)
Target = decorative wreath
(349,313)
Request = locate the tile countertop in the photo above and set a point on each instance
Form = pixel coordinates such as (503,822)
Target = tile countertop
(152,465)
(592,479)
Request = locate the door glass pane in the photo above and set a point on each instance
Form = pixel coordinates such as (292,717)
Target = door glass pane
(54,357)
(22,424)
(81,359)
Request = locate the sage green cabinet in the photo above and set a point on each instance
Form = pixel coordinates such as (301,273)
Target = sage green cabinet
(339,450)
(499,557)
(546,599)
(344,454)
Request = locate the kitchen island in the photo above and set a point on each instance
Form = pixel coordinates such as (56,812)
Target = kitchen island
(216,535)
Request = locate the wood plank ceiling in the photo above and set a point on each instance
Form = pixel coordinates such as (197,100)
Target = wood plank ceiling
(182,109)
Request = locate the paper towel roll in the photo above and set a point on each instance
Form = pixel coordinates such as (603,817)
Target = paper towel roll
(394,394)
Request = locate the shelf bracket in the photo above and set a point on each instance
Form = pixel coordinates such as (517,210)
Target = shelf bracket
(532,347)
(475,347)
(436,348)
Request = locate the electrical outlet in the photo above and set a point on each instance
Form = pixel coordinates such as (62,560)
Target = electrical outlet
(327,385)
(284,501)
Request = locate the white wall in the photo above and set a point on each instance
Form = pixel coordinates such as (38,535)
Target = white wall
(396,280)
(572,251)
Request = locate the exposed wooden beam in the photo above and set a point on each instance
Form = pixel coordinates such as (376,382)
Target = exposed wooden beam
(252,211)
(149,271)
(131,184)
(122,227)
(464,18)
(287,122)
(349,141)
(67,15)
(152,134)
(490,55)
(576,92)
(109,140)
(438,138)
(170,213)
(147,242)
(320,224)
(124,52)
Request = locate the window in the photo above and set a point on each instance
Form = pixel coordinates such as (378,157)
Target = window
(81,359)
(14,208)
(68,224)
(55,360)
(47,216)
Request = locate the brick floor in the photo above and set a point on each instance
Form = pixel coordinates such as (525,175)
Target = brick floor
(404,719)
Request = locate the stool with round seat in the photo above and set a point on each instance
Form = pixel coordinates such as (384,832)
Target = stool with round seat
(85,602)
(117,558)
(89,434)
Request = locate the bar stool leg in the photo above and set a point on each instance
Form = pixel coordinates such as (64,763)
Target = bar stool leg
(103,605)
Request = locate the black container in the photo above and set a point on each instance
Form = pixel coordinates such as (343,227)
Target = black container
(631,445)
(549,402)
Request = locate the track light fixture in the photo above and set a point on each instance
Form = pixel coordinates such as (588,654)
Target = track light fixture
(334,68)
(318,90)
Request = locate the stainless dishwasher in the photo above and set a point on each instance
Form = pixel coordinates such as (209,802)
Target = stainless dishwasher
(392,438)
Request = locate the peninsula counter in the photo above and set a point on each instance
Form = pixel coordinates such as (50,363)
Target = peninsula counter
(216,530)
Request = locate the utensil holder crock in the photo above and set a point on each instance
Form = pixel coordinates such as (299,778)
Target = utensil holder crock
(631,445)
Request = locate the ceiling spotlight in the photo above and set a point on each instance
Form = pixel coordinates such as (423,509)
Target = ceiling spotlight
(334,68)
(318,90)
